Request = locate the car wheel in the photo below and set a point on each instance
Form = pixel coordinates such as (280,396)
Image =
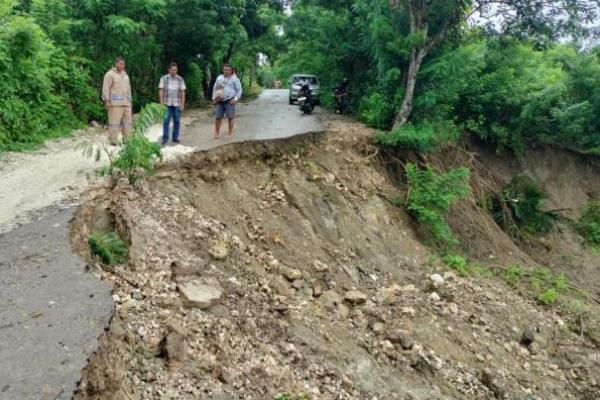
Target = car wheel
(291,101)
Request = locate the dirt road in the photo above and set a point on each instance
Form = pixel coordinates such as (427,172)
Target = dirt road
(51,313)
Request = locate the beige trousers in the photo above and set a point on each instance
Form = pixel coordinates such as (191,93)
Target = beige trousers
(119,120)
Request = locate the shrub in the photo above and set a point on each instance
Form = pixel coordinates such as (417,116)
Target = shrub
(422,138)
(377,110)
(513,275)
(520,207)
(588,224)
(109,247)
(430,196)
(547,285)
(457,263)
(464,268)
(138,155)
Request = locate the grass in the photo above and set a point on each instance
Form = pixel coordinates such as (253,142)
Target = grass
(108,247)
(464,268)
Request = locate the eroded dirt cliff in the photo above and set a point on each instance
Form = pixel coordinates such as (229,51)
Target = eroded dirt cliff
(282,267)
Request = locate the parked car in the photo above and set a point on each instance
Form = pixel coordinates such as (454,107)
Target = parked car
(296,83)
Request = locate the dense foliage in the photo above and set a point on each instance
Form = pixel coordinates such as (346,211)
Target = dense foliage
(520,207)
(430,196)
(108,247)
(54,53)
(588,224)
(510,84)
(429,69)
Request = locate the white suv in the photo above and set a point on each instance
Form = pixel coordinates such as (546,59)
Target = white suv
(300,79)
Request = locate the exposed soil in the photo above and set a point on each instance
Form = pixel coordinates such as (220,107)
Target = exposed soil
(326,288)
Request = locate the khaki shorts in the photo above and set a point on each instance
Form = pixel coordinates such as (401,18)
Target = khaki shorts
(119,120)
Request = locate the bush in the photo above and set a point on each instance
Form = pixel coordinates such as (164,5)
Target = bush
(430,196)
(513,275)
(520,207)
(109,247)
(464,268)
(547,285)
(588,224)
(422,138)
(377,110)
(36,102)
(138,155)
(193,80)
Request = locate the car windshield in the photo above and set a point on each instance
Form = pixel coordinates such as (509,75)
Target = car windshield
(301,80)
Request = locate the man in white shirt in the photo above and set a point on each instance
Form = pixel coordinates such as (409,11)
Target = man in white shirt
(171,91)
(226,93)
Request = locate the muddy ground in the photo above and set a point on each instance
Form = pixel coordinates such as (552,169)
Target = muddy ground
(262,268)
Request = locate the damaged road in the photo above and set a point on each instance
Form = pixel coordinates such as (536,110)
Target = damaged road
(283,267)
(51,311)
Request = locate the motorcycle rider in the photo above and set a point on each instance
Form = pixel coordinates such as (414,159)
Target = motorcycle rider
(341,96)
(305,98)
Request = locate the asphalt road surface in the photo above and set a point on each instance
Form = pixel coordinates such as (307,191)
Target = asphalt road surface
(51,311)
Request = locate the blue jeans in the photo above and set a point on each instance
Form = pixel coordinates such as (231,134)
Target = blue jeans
(175,113)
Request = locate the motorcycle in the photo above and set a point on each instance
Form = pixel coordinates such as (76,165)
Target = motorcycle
(305,100)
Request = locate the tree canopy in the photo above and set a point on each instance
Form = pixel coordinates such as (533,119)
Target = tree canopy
(508,71)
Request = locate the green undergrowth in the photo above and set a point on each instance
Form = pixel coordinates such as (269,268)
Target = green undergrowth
(520,208)
(108,247)
(544,285)
(138,155)
(547,288)
(422,138)
(588,225)
(465,268)
(430,196)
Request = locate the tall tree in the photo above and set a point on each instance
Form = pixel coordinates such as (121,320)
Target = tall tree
(432,20)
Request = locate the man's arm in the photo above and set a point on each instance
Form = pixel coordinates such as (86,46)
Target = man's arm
(182,95)
(161,91)
(106,86)
(216,85)
(238,89)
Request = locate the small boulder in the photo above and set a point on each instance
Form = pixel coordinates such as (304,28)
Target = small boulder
(219,250)
(200,294)
(401,337)
(437,279)
(330,300)
(378,328)
(174,349)
(280,286)
(320,266)
(355,297)
(290,274)
(434,297)
(528,337)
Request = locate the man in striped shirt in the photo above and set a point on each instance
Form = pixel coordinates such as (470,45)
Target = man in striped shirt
(171,91)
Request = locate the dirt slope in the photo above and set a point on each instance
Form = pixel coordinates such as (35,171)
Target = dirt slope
(309,281)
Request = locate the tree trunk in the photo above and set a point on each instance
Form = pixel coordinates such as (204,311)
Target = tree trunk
(416,59)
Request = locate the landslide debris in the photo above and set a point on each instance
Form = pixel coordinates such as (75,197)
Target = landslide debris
(282,267)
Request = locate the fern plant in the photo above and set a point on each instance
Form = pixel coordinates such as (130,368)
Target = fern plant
(520,207)
(430,196)
(109,247)
(138,155)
